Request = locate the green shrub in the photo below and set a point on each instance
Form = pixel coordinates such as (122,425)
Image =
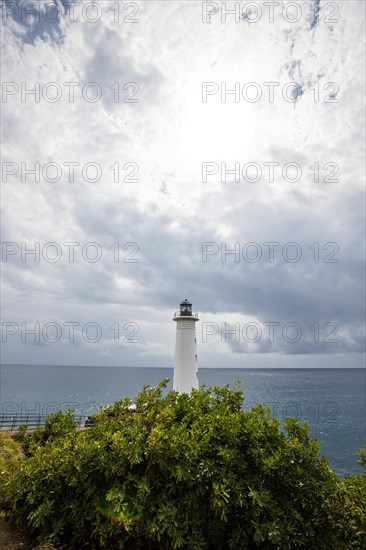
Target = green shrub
(56,425)
(10,452)
(181,471)
(352,499)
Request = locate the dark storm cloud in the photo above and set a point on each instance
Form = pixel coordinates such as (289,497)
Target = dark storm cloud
(34,20)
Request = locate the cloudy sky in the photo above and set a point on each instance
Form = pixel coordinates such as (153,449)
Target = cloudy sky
(159,150)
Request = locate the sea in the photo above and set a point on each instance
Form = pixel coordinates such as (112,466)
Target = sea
(332,401)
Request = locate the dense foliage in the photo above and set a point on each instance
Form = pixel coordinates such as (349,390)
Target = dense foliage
(182,471)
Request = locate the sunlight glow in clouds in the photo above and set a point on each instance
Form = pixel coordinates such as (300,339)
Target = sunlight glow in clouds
(156,197)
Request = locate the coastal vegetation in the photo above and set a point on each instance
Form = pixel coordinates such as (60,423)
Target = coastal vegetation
(172,470)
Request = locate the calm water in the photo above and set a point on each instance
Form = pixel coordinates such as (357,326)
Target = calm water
(331,400)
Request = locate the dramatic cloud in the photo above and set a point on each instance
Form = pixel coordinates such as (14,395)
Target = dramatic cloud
(180,152)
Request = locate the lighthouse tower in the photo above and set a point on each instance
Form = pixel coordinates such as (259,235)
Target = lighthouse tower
(185,368)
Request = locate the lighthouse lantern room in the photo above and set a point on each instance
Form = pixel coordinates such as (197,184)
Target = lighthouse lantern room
(185,367)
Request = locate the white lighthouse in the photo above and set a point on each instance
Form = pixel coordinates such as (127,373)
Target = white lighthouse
(186,367)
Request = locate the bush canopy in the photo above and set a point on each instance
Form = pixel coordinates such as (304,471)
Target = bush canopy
(190,471)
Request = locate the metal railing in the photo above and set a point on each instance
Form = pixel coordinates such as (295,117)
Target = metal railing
(12,422)
(178,314)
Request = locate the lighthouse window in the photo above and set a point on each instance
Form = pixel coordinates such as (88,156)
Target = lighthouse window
(186,308)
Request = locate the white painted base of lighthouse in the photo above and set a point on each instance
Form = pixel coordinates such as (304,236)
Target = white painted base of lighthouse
(186,366)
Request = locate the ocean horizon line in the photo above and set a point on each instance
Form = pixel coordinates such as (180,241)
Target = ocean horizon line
(172,367)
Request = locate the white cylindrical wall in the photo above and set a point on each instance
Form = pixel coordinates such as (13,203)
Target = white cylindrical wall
(186,367)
